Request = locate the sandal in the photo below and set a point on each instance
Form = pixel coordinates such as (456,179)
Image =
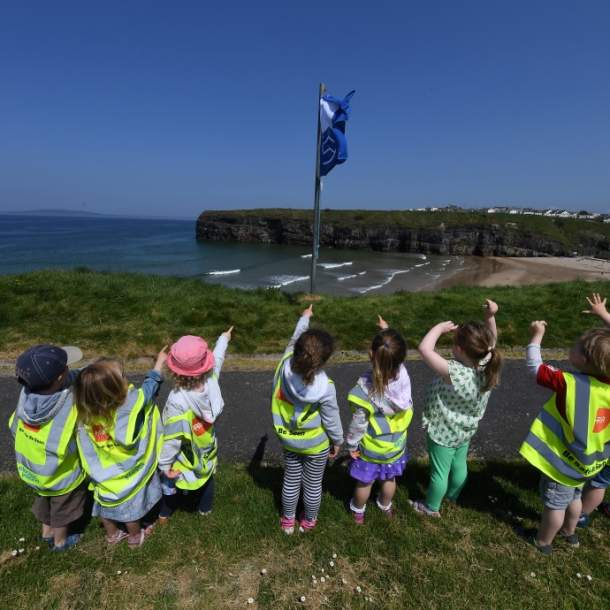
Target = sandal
(117,537)
(138,540)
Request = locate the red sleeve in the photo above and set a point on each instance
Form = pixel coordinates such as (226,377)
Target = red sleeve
(552,378)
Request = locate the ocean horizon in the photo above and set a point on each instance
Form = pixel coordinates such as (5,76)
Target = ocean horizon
(169,247)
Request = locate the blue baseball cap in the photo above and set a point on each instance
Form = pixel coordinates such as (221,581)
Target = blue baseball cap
(40,365)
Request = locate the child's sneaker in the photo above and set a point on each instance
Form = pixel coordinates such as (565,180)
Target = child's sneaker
(422,509)
(583,520)
(287,525)
(305,525)
(358,517)
(545,549)
(71,541)
(205,513)
(571,539)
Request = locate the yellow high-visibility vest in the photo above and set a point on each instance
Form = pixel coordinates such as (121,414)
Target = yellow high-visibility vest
(119,458)
(385,439)
(297,425)
(573,449)
(46,454)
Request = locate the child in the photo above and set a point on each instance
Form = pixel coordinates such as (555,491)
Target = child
(305,415)
(188,457)
(43,426)
(377,436)
(119,441)
(595,488)
(569,441)
(456,402)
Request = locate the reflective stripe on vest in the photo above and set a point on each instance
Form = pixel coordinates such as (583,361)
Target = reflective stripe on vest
(46,454)
(119,470)
(298,426)
(197,459)
(572,449)
(385,439)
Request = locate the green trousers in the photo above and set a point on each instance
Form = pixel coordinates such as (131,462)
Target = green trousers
(448,472)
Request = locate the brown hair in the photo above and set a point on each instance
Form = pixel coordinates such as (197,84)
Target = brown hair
(388,352)
(100,389)
(185,382)
(311,351)
(595,345)
(476,340)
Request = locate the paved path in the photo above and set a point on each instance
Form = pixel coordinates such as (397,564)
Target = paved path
(246,418)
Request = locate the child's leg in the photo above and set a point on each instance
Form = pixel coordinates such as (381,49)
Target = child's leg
(440,466)
(573,513)
(291,487)
(591,499)
(59,535)
(458,473)
(206,498)
(47,531)
(111,527)
(361,494)
(313,472)
(550,524)
(386,493)
(168,505)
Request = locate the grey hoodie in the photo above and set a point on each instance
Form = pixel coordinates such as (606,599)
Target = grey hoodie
(37,409)
(320,391)
(206,403)
(396,398)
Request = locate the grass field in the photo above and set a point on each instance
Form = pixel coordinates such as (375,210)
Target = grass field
(132,315)
(473,557)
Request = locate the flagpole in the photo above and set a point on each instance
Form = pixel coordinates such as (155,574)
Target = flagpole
(316,201)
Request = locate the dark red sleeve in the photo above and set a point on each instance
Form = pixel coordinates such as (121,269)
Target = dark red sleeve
(552,378)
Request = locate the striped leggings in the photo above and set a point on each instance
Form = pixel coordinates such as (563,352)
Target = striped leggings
(304,471)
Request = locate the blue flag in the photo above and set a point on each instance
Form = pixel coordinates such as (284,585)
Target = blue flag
(334,112)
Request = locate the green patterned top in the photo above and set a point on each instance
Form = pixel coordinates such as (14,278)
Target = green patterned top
(452,411)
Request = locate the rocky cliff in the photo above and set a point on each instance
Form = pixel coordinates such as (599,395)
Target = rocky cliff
(383,232)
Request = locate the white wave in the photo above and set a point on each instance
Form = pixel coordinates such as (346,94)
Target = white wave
(227,272)
(347,277)
(306,255)
(388,279)
(422,257)
(362,273)
(279,281)
(335,265)
(422,264)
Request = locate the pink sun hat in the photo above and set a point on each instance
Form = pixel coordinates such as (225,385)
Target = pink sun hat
(190,356)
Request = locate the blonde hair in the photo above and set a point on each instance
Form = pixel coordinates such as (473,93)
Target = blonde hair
(595,345)
(477,342)
(388,352)
(185,382)
(100,389)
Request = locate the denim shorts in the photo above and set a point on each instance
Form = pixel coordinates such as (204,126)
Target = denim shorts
(557,496)
(601,480)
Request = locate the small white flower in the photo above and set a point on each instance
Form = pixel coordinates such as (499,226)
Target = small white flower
(589,577)
(533,574)
(322,579)
(22,539)
(250,600)
(264,571)
(322,570)
(334,555)
(118,571)
(343,581)
(37,548)
(21,551)
(14,553)
(302,598)
(358,589)
(331,564)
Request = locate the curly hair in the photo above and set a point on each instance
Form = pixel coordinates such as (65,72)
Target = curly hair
(189,383)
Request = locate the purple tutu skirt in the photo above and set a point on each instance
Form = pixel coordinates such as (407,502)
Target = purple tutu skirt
(369,472)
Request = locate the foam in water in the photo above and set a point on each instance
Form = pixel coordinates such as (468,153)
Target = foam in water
(335,265)
(227,272)
(279,281)
(391,276)
(306,255)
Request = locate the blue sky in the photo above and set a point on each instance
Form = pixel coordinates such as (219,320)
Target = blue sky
(171,108)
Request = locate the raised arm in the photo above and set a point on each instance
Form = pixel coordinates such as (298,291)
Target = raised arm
(598,307)
(220,349)
(154,377)
(301,327)
(533,355)
(491,309)
(427,349)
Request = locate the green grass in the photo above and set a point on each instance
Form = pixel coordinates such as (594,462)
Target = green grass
(131,315)
(471,558)
(566,231)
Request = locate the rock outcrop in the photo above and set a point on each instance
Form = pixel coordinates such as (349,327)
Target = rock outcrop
(469,238)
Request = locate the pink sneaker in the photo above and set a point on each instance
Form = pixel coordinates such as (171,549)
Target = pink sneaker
(287,525)
(358,518)
(422,509)
(306,526)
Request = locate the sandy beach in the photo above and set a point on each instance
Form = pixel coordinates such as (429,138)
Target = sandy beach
(521,271)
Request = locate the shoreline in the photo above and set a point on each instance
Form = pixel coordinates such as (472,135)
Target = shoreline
(525,271)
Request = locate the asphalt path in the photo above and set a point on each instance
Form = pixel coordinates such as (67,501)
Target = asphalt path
(244,428)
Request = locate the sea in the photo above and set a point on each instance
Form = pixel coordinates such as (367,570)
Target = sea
(169,247)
